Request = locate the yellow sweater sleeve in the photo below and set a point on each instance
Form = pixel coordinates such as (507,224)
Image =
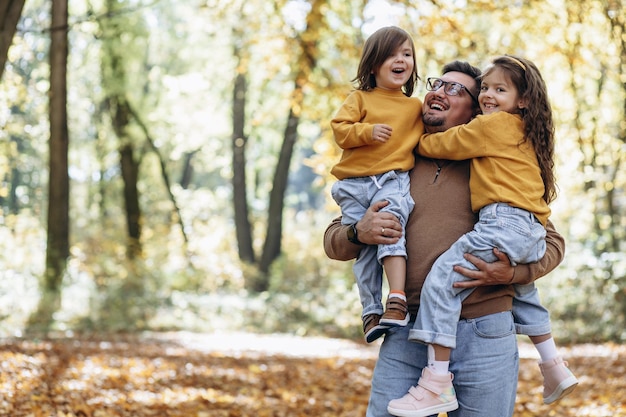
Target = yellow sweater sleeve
(504,167)
(353,126)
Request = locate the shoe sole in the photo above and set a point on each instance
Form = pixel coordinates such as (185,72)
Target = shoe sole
(564,388)
(395,323)
(375,332)
(442,408)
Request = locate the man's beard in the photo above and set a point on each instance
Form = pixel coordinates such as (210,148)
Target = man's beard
(433,123)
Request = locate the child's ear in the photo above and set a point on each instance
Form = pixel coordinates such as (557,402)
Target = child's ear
(522,104)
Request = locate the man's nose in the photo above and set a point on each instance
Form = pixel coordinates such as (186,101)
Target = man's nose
(440,91)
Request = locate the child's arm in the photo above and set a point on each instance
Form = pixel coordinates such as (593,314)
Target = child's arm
(457,143)
(349,130)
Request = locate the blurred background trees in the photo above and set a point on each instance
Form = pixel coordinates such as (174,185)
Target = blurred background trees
(199,151)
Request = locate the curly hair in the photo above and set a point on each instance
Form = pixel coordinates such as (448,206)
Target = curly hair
(378,47)
(537,114)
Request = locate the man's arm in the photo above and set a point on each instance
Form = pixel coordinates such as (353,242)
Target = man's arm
(374,228)
(501,271)
(336,243)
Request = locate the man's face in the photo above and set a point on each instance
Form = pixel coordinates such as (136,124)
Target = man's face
(441,111)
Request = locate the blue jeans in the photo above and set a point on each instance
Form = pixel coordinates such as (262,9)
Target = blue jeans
(485,367)
(531,318)
(354,196)
(515,232)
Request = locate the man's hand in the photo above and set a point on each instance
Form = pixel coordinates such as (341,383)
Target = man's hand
(495,273)
(376,228)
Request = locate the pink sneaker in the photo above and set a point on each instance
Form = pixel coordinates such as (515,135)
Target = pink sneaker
(558,380)
(433,394)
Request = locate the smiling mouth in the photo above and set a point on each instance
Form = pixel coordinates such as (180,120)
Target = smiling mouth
(436,106)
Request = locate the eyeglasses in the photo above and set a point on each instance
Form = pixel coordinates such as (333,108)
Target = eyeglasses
(449,87)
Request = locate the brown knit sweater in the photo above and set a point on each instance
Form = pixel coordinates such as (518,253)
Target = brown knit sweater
(442,214)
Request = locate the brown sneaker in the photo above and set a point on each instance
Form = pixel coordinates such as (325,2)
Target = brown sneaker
(396,313)
(372,328)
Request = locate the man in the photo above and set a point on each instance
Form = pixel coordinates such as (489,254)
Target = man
(485,361)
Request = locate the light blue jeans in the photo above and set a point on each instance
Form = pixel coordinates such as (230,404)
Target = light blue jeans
(354,196)
(485,367)
(515,232)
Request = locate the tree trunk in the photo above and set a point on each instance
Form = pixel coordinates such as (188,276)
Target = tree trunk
(243,229)
(187,171)
(240,200)
(10,12)
(121,115)
(130,174)
(272,246)
(125,295)
(58,186)
(129,166)
(306,65)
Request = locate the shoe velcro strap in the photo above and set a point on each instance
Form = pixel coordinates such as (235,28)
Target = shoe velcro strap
(430,387)
(397,304)
(553,363)
(416,393)
(369,319)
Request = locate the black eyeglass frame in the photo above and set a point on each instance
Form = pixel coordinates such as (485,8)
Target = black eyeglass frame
(448,87)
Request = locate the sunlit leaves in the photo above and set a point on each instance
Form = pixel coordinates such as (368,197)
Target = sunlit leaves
(182,375)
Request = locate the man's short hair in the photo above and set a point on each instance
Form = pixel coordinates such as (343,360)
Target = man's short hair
(465,68)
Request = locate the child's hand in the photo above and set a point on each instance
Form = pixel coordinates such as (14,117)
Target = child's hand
(381,133)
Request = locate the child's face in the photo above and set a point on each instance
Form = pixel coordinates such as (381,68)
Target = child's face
(397,68)
(498,93)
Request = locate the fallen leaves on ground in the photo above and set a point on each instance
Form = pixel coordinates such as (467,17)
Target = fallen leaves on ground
(213,376)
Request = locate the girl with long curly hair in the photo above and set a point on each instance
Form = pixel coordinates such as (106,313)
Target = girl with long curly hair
(511,147)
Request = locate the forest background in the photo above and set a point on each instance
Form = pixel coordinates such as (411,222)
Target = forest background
(190,190)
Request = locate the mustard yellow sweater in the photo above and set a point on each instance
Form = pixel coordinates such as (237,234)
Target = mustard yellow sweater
(353,126)
(501,169)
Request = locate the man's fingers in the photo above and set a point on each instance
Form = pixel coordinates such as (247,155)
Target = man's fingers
(377,205)
(502,257)
(466,272)
(468,284)
(475,260)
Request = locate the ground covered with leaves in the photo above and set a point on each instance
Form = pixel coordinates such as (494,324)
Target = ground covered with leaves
(232,375)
